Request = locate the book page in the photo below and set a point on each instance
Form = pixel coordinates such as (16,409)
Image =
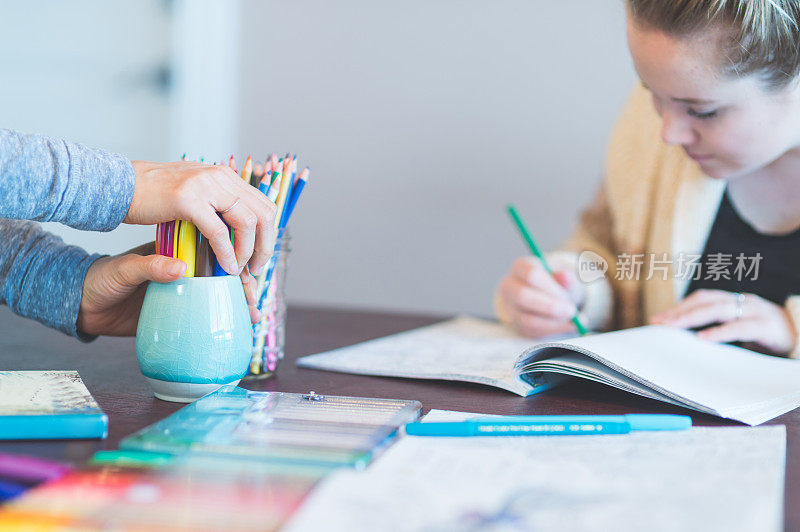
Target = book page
(579,365)
(730,381)
(726,479)
(463,349)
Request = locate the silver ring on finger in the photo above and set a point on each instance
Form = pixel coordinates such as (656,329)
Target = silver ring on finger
(740,297)
(231,207)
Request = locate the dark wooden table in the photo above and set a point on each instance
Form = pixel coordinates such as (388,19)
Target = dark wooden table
(109,369)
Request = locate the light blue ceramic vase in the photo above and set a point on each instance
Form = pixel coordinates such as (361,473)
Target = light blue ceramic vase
(194,335)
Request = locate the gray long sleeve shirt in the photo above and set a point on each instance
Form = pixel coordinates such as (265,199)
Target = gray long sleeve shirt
(51,180)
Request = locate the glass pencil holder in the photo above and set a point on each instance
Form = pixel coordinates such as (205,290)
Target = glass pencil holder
(269,334)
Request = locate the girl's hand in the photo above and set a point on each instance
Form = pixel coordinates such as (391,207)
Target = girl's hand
(760,321)
(536,304)
(114,288)
(197,192)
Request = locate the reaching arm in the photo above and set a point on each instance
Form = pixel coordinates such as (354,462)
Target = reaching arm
(52,180)
(41,277)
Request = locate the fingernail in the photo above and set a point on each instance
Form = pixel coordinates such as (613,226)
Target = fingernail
(176,268)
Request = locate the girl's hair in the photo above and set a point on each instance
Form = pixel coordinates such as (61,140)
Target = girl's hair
(759,36)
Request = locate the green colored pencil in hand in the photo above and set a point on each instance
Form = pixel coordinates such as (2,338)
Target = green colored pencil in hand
(535,250)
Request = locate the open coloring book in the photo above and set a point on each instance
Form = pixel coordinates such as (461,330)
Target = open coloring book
(662,363)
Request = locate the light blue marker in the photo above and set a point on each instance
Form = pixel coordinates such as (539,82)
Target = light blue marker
(550,425)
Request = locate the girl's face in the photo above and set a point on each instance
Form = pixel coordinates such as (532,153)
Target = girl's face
(730,126)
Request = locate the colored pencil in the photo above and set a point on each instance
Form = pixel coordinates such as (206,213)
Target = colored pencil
(297,189)
(169,238)
(258,173)
(187,246)
(175,239)
(204,260)
(275,183)
(282,193)
(247,169)
(268,166)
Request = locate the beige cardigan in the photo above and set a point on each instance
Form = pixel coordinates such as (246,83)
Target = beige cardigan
(654,199)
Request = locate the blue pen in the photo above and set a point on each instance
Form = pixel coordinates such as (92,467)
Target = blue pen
(550,425)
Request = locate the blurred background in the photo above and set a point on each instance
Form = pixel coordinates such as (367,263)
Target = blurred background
(420,120)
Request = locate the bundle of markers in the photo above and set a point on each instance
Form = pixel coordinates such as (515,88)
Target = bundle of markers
(279,181)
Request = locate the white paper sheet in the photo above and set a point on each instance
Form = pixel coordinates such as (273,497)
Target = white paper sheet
(726,479)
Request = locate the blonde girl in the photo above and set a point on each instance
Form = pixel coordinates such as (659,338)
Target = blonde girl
(698,215)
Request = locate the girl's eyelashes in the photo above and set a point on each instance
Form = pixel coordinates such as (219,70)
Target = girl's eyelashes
(702,116)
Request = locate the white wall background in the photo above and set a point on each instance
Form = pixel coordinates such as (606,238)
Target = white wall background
(151,79)
(90,71)
(421,119)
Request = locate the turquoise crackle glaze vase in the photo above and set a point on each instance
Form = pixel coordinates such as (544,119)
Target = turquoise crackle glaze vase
(194,335)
